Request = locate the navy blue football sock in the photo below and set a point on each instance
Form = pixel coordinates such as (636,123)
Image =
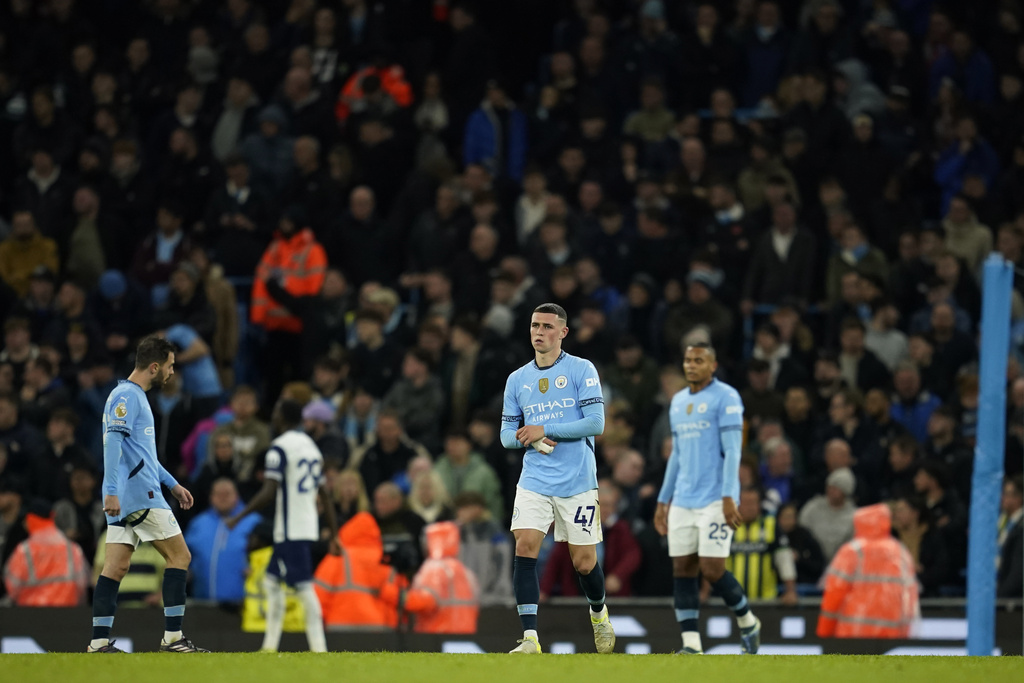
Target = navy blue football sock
(686,599)
(730,590)
(174,598)
(104,605)
(593,587)
(527,588)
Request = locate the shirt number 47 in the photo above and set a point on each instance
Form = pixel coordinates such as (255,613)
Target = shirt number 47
(581,516)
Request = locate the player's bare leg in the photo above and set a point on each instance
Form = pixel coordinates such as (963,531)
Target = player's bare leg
(527,587)
(591,578)
(115,565)
(178,558)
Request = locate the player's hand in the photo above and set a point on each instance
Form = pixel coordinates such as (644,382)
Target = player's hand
(732,515)
(661,519)
(527,434)
(112,506)
(183,496)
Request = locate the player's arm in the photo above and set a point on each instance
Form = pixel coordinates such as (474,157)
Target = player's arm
(117,426)
(511,414)
(667,488)
(180,493)
(273,475)
(730,430)
(262,499)
(591,403)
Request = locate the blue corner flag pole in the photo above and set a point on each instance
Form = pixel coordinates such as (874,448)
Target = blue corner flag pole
(988,456)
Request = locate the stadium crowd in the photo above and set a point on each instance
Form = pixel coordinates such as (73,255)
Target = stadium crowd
(357,204)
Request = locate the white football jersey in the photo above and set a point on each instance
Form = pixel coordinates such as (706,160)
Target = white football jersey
(295,462)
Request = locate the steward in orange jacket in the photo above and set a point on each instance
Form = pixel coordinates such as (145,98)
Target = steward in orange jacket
(298,263)
(870,586)
(356,589)
(46,570)
(445,596)
(392,83)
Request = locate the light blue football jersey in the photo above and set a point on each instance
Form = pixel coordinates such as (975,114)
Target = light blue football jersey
(699,473)
(566,398)
(136,476)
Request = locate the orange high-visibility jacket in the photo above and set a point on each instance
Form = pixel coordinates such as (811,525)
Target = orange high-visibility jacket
(445,595)
(302,262)
(392,81)
(46,570)
(356,589)
(871,585)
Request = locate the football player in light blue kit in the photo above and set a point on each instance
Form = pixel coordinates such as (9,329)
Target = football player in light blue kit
(134,502)
(554,408)
(697,503)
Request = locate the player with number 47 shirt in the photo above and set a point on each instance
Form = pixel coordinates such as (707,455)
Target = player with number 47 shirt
(554,408)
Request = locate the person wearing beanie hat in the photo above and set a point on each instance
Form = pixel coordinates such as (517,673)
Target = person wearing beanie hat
(829,515)
(269,151)
(112,285)
(319,420)
(46,570)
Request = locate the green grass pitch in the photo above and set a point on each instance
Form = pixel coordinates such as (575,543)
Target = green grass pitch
(452,668)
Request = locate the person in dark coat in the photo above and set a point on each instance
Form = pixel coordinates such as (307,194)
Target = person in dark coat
(782,264)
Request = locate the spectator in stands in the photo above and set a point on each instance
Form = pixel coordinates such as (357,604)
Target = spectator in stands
(25,251)
(634,376)
(912,407)
(79,515)
(860,367)
(219,559)
(779,256)
(42,392)
(417,399)
(810,562)
(238,219)
(870,591)
(53,468)
(848,423)
(947,512)
(400,528)
(269,151)
(199,377)
(945,446)
(760,563)
(759,401)
(318,420)
(800,423)
(14,491)
(296,261)
(23,443)
(45,191)
(46,569)
(462,469)
(968,67)
(429,497)
(387,454)
(883,337)
(496,135)
(966,238)
(1010,574)
(913,526)
(249,435)
(777,475)
(829,516)
(901,466)
(765,47)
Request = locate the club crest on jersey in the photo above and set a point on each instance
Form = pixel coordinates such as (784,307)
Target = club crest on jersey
(689,409)
(561,381)
(702,408)
(543,385)
(121,410)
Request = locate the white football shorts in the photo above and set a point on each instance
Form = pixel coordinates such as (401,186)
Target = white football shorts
(577,518)
(154,524)
(700,531)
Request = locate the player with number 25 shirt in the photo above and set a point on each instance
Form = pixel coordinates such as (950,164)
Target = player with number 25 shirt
(554,408)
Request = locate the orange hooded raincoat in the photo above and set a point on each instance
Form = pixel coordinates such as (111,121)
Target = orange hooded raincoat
(445,595)
(871,585)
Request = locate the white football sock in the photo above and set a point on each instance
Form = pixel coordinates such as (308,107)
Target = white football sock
(97,643)
(531,633)
(172,636)
(747,620)
(275,613)
(314,618)
(691,639)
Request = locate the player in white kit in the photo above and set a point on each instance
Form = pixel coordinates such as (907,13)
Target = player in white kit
(293,477)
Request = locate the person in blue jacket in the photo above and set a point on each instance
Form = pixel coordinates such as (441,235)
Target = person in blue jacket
(496,135)
(219,558)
